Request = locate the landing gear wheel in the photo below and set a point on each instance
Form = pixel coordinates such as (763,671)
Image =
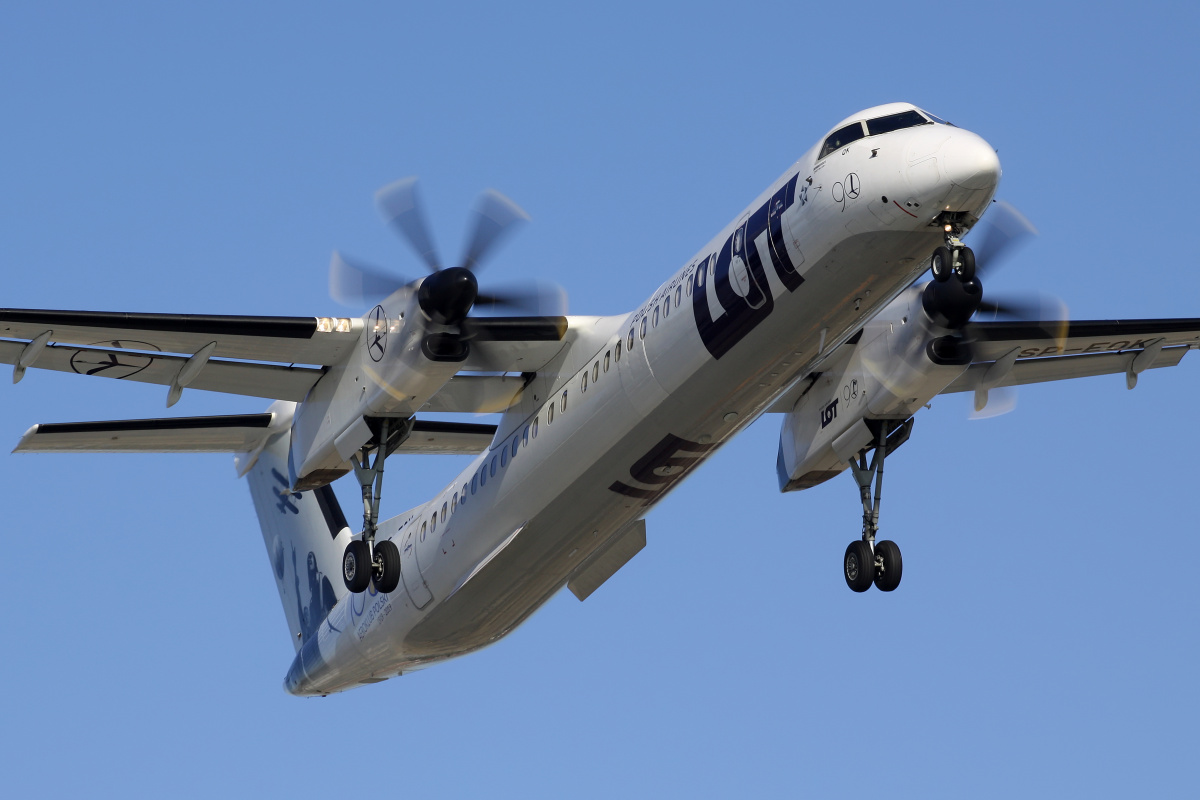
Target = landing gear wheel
(966,264)
(942,264)
(386,569)
(887,573)
(858,566)
(356,566)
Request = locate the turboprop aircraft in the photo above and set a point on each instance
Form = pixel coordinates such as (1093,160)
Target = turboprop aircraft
(805,305)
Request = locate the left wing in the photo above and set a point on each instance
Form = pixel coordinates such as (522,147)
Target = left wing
(1017,353)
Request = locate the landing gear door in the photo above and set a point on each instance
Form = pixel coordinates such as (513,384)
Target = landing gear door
(410,572)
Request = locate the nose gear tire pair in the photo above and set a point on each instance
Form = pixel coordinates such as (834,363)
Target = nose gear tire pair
(946,262)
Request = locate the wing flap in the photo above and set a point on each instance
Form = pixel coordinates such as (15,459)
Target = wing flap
(272,381)
(234,433)
(434,437)
(286,340)
(476,394)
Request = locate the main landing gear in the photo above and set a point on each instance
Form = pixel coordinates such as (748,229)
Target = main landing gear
(366,560)
(867,561)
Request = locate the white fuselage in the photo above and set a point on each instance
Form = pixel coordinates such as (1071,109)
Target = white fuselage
(807,264)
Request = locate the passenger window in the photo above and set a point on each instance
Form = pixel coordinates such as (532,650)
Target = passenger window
(423,526)
(564,401)
(667,307)
(454,504)
(433,522)
(504,457)
(464,494)
(656,316)
(840,138)
(678,295)
(895,122)
(474,483)
(525,437)
(630,345)
(583,383)
(483,476)
(535,425)
(443,512)
(550,413)
(617,354)
(643,331)
(516,443)
(493,472)
(595,372)
(608,358)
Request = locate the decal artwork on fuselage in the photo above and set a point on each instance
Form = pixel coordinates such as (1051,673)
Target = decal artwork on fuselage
(736,275)
(665,465)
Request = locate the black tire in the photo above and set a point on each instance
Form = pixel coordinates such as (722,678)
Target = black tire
(942,264)
(887,576)
(966,264)
(858,566)
(387,571)
(356,566)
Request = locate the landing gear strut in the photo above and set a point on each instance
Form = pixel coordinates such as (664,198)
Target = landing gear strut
(867,561)
(364,560)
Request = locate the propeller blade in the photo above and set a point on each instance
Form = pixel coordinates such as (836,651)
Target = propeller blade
(1048,311)
(993,402)
(357,285)
(1002,232)
(495,216)
(400,207)
(538,299)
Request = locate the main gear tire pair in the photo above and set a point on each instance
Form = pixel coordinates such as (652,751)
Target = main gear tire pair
(863,567)
(360,567)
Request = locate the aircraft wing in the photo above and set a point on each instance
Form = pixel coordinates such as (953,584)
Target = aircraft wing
(153,348)
(285,340)
(231,433)
(1018,353)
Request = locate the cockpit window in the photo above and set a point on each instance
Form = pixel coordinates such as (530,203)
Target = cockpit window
(840,138)
(939,120)
(895,122)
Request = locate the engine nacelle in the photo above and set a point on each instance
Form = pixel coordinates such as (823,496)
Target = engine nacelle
(903,358)
(400,364)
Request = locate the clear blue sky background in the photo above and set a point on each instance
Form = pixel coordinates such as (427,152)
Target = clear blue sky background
(208,159)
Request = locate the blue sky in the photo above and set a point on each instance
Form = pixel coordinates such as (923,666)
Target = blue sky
(208,159)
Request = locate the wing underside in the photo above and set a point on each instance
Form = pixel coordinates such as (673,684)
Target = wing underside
(1021,353)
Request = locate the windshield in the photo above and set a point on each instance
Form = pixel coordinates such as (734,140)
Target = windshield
(842,137)
(895,122)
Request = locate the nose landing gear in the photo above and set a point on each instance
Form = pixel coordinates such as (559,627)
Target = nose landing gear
(953,258)
(866,561)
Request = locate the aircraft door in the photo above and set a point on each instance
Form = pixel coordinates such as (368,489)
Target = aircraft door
(410,571)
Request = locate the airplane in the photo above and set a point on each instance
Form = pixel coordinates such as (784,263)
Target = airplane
(811,304)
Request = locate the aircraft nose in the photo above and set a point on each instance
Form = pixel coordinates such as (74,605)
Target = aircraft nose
(970,162)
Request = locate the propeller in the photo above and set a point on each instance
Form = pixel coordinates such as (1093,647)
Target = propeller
(956,304)
(448,294)
(1001,233)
